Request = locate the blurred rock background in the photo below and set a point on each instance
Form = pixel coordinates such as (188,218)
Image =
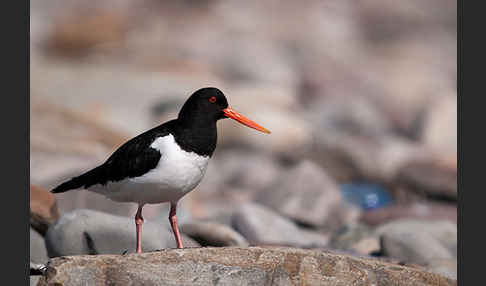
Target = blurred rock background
(360,98)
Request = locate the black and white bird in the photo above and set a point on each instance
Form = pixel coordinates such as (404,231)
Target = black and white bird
(164,163)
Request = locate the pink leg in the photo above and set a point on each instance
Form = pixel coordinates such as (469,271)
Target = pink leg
(138,223)
(173,223)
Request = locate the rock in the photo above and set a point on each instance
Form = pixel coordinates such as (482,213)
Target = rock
(43,209)
(34,280)
(238,169)
(245,61)
(223,216)
(383,22)
(355,141)
(347,138)
(261,226)
(84,199)
(234,266)
(83,31)
(85,133)
(368,246)
(430,178)
(247,169)
(418,210)
(440,128)
(91,232)
(357,238)
(85,142)
(306,194)
(213,234)
(417,241)
(445,267)
(38,252)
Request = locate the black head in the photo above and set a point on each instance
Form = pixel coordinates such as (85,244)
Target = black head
(204,106)
(196,128)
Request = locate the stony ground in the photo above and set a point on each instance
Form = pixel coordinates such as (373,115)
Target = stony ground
(360,98)
(234,266)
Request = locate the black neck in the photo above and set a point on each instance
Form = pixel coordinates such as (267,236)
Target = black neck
(199,137)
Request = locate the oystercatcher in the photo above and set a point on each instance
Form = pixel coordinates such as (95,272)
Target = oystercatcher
(164,163)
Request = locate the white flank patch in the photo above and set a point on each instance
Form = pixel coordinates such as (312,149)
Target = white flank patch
(177,173)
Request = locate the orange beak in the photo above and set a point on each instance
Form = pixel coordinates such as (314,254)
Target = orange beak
(243,120)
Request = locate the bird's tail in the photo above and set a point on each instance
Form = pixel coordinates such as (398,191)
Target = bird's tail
(85,180)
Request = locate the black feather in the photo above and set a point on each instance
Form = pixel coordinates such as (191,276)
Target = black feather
(132,159)
(85,180)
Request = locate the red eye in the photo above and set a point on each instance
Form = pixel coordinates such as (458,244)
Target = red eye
(212,99)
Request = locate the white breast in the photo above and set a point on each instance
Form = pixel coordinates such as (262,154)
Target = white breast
(177,173)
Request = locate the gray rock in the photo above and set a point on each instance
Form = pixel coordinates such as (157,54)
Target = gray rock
(366,246)
(234,170)
(251,61)
(417,241)
(34,280)
(346,141)
(416,210)
(248,169)
(234,266)
(38,252)
(440,130)
(354,140)
(91,232)
(430,178)
(213,234)
(357,238)
(261,226)
(446,267)
(308,195)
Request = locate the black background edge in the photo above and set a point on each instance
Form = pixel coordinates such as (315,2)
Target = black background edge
(15,27)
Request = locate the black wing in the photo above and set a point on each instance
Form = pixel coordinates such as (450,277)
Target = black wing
(132,159)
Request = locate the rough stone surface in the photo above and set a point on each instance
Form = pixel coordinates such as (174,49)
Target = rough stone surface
(38,252)
(417,241)
(234,266)
(446,267)
(43,209)
(261,226)
(213,234)
(306,194)
(92,232)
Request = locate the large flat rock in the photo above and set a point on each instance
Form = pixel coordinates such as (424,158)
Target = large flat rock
(233,266)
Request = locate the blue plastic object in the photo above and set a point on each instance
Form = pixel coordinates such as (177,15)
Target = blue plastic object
(366,196)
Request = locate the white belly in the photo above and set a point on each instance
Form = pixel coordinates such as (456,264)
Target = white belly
(177,173)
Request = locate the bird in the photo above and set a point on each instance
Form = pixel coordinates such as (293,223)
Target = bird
(164,163)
